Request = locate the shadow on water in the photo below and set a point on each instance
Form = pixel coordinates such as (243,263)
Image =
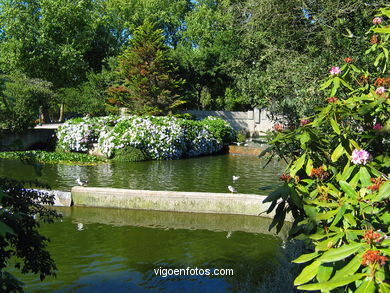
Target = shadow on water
(118,252)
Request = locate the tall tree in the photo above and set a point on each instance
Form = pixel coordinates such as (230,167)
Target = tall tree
(147,76)
(203,53)
(58,41)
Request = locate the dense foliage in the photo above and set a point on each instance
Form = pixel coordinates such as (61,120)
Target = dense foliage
(337,183)
(235,55)
(129,154)
(19,235)
(158,137)
(52,157)
(23,101)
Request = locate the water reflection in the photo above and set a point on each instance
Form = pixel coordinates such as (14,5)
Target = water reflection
(104,257)
(205,174)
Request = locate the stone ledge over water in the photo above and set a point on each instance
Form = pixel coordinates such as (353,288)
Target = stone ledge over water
(193,202)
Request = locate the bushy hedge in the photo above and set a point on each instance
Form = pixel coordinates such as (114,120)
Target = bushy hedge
(158,137)
(130,154)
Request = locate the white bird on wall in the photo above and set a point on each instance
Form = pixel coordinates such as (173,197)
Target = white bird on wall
(81,182)
(232,189)
(236,178)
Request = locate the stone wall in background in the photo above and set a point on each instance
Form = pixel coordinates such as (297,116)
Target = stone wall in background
(255,121)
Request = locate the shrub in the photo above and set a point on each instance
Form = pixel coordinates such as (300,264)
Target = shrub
(130,154)
(337,183)
(157,137)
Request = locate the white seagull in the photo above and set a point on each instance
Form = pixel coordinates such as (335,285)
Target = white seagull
(232,189)
(81,182)
(236,178)
(80,226)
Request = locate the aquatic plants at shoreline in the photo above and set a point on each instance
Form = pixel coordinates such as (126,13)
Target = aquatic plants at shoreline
(159,137)
(53,157)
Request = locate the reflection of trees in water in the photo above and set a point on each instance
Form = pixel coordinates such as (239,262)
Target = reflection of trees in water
(203,174)
(125,256)
(68,174)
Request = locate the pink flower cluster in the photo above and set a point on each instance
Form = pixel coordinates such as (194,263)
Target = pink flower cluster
(377,126)
(335,70)
(380,91)
(377,20)
(360,157)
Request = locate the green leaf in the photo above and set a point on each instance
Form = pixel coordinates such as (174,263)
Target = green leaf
(4,229)
(384,190)
(349,269)
(347,173)
(309,167)
(308,273)
(306,257)
(337,153)
(378,59)
(366,287)
(382,30)
(324,272)
(330,285)
(279,215)
(304,138)
(384,288)
(336,254)
(350,219)
(336,85)
(346,84)
(365,177)
(340,214)
(326,84)
(335,126)
(326,215)
(349,191)
(328,243)
(354,144)
(297,165)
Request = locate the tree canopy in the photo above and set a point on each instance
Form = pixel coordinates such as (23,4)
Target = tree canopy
(234,54)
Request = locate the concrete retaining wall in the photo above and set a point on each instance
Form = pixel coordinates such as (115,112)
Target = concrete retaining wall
(193,202)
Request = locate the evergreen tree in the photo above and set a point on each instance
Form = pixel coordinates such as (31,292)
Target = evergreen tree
(147,76)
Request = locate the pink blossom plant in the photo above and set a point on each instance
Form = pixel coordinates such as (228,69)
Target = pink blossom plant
(360,157)
(335,70)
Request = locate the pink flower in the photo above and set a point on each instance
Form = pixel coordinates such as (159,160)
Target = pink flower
(380,91)
(377,126)
(360,157)
(377,20)
(335,70)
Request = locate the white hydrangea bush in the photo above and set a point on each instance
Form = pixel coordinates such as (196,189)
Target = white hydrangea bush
(77,135)
(159,137)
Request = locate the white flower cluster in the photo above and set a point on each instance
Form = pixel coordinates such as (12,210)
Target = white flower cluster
(159,137)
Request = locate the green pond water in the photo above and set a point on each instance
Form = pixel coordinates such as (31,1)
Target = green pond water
(113,250)
(203,174)
(108,250)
